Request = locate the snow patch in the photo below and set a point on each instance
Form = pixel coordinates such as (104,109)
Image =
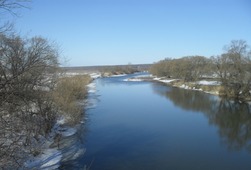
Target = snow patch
(184,86)
(167,81)
(118,75)
(133,79)
(163,80)
(95,75)
(156,78)
(209,83)
(91,87)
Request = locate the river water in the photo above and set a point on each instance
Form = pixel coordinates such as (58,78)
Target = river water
(148,125)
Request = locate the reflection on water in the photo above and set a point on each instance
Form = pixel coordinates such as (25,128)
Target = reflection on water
(233,119)
(145,125)
(234,123)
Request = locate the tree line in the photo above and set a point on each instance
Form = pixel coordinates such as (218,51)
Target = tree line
(232,69)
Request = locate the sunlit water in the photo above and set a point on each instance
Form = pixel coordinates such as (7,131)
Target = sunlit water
(147,125)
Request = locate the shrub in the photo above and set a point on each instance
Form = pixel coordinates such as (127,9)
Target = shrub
(66,94)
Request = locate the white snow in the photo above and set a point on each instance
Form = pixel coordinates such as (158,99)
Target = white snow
(133,79)
(206,82)
(184,86)
(163,80)
(50,158)
(167,81)
(91,87)
(95,75)
(156,78)
(60,121)
(118,75)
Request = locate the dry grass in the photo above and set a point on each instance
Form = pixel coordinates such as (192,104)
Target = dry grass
(214,89)
(66,94)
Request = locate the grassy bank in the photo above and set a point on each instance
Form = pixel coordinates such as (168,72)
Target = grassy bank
(211,86)
(208,88)
(68,91)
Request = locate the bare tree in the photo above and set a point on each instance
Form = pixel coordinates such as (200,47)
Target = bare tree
(234,69)
(188,68)
(27,74)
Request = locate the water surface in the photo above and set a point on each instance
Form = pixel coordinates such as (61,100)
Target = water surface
(146,125)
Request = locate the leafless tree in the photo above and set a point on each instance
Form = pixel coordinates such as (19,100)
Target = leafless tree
(188,68)
(27,74)
(234,69)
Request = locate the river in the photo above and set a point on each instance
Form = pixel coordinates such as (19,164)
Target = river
(148,125)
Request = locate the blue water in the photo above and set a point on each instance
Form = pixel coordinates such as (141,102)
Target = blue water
(148,125)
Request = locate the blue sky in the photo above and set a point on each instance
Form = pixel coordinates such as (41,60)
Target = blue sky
(108,32)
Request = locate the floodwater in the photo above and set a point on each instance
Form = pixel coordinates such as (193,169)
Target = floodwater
(147,125)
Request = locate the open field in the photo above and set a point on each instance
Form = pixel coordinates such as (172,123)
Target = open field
(95,69)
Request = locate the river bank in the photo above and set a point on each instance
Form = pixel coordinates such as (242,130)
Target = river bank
(207,85)
(63,143)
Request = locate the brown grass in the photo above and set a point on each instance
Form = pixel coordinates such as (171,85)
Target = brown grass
(66,94)
(214,89)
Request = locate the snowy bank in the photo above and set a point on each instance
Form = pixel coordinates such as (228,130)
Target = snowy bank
(60,145)
(50,155)
(207,86)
